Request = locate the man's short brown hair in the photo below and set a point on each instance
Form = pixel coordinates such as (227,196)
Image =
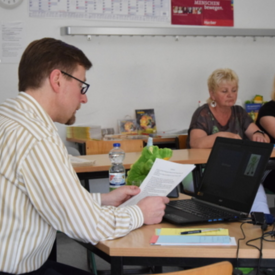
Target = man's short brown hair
(42,56)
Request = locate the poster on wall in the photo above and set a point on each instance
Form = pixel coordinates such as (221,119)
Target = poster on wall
(114,10)
(202,12)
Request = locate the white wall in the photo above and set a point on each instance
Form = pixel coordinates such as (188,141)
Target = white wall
(156,72)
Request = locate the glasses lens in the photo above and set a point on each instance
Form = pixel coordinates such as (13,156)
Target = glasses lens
(84,89)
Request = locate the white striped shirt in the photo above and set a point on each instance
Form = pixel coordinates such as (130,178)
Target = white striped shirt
(40,193)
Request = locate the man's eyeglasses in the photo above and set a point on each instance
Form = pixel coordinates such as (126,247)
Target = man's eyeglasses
(85,86)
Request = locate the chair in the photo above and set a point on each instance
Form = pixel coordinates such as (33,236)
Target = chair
(222,268)
(181,142)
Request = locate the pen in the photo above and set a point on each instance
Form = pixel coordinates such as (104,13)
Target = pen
(197,231)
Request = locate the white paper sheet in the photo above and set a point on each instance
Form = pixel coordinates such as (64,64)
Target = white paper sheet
(163,177)
(12,41)
(75,160)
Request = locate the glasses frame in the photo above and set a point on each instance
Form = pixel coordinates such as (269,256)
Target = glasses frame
(83,90)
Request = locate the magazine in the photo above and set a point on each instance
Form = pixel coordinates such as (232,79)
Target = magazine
(146,121)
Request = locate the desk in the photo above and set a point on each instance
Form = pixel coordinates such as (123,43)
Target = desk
(83,144)
(184,156)
(135,249)
(102,163)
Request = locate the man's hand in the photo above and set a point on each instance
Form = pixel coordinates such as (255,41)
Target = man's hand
(119,195)
(153,209)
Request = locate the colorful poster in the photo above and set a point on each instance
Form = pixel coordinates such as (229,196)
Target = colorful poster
(202,12)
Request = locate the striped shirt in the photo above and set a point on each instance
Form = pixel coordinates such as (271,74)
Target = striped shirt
(40,193)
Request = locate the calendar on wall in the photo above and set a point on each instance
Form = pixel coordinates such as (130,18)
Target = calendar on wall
(121,10)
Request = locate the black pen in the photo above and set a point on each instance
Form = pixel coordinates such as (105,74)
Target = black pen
(198,231)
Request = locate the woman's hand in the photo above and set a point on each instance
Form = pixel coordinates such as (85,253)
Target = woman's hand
(259,137)
(253,134)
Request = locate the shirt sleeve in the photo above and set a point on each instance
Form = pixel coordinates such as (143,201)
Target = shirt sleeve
(201,120)
(61,201)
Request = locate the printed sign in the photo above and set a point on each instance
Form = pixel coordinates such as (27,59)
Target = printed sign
(202,12)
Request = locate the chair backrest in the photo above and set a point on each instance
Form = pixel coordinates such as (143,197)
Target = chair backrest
(104,146)
(181,141)
(222,268)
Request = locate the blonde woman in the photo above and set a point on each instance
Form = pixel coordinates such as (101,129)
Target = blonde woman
(220,117)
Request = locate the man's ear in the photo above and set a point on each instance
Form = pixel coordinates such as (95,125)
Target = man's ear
(56,79)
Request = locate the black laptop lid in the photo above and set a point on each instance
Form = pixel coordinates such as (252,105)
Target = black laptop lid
(233,173)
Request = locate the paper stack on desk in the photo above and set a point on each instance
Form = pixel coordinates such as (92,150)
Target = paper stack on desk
(176,236)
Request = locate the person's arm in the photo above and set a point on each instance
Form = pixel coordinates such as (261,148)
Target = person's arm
(152,208)
(61,202)
(268,123)
(200,139)
(255,134)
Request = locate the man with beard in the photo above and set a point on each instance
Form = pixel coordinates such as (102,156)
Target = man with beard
(39,191)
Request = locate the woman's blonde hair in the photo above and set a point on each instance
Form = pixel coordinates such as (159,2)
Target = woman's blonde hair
(219,75)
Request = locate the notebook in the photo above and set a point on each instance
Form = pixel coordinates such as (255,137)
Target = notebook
(229,184)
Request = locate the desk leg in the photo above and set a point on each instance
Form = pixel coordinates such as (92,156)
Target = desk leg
(116,266)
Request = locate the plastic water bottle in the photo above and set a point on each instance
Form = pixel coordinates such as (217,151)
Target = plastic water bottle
(117,170)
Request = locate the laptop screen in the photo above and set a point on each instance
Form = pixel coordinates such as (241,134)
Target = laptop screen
(233,173)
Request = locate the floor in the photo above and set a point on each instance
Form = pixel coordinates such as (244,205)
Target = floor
(71,253)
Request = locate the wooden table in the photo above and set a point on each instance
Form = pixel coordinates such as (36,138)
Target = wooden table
(135,249)
(184,156)
(102,163)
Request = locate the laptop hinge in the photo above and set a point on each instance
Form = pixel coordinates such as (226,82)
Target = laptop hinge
(242,214)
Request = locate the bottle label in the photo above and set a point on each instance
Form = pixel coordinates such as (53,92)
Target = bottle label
(116,180)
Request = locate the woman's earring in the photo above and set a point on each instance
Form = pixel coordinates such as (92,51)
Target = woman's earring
(213,103)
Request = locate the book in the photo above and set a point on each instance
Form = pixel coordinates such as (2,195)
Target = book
(173,236)
(192,240)
(253,109)
(127,126)
(146,121)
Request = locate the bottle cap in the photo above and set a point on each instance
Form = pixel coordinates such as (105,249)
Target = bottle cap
(116,144)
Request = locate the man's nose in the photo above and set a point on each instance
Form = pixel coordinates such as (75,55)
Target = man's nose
(84,99)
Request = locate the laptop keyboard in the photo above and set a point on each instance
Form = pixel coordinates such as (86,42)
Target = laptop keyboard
(204,211)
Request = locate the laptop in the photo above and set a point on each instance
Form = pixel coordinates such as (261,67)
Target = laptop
(229,184)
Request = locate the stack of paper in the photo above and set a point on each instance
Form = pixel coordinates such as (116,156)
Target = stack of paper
(178,236)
